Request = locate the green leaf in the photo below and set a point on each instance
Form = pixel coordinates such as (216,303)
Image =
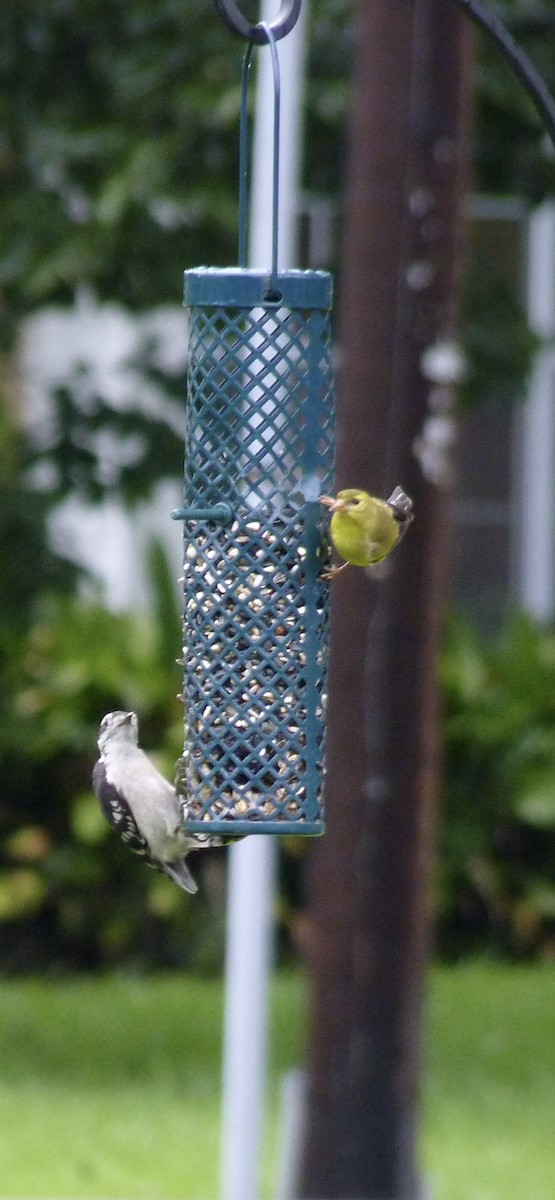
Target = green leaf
(535,803)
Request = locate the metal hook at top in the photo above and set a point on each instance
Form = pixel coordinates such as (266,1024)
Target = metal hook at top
(284,22)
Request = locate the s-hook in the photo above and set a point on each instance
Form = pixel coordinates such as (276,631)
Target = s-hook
(284,22)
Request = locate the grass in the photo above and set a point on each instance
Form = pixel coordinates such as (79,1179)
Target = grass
(490,1084)
(110,1088)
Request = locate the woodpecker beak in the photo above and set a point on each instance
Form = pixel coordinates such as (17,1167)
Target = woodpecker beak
(333,503)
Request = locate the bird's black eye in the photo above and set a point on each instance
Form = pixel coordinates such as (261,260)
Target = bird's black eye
(355,500)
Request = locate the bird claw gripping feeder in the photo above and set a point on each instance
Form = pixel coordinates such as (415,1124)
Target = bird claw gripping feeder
(259,451)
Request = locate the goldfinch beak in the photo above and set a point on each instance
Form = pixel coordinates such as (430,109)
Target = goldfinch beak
(333,503)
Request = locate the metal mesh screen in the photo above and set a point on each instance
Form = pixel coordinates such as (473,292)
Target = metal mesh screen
(259,437)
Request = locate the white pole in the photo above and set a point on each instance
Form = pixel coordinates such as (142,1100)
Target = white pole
(291,62)
(252,862)
(251,869)
(536,557)
(293,1117)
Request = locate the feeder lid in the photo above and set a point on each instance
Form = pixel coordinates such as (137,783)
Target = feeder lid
(240,287)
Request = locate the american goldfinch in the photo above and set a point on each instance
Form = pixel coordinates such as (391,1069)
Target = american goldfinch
(363,529)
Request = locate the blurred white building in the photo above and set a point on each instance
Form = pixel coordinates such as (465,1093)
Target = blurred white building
(104,341)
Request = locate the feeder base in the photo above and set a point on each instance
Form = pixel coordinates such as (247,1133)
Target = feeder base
(232,829)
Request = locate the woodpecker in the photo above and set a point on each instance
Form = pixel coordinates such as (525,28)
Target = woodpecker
(139,803)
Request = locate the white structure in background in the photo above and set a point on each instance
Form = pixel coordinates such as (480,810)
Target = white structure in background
(252,862)
(536,430)
(103,340)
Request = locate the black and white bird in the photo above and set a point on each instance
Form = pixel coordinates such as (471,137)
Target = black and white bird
(139,803)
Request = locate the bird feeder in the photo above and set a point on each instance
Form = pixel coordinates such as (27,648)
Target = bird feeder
(259,452)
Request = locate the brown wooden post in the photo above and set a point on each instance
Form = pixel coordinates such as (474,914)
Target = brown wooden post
(369,908)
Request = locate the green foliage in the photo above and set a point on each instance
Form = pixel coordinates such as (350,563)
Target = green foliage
(498,343)
(118,168)
(118,125)
(96,450)
(27,565)
(119,129)
(71,895)
(497,853)
(513,153)
(29,569)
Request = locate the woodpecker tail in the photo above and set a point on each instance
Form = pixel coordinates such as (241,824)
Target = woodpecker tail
(180,872)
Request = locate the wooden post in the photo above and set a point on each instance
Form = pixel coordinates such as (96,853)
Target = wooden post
(369,909)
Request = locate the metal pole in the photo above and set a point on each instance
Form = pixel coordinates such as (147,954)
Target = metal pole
(291,61)
(536,449)
(252,863)
(251,874)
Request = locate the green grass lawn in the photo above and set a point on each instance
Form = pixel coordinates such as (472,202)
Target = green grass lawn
(489,1128)
(111,1087)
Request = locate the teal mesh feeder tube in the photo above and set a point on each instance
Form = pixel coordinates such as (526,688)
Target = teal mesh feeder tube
(259,452)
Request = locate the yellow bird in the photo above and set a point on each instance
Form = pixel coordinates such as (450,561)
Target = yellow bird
(363,529)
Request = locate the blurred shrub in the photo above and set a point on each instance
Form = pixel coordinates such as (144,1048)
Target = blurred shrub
(496,875)
(71,895)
